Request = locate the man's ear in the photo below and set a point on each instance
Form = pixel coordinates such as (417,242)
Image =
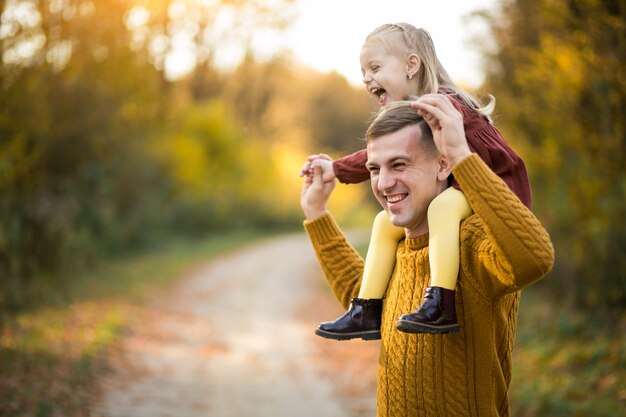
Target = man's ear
(445,168)
(413,63)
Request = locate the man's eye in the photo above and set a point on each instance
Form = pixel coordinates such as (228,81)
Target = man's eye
(399,165)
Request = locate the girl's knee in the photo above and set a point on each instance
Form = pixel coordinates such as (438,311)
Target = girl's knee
(382,218)
(450,204)
(383,226)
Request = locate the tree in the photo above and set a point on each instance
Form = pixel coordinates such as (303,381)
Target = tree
(104,151)
(338,120)
(76,103)
(558,76)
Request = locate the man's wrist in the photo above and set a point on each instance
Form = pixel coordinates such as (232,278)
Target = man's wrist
(314,213)
(459,156)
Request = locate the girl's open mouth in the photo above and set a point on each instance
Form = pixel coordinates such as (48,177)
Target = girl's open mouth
(381,94)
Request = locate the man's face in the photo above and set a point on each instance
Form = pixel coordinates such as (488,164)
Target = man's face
(405,178)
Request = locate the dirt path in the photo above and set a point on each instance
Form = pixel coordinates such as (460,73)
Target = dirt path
(235,338)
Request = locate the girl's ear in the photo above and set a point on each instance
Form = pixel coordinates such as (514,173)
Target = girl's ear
(413,63)
(445,168)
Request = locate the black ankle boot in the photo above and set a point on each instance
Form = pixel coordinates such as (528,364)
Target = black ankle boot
(361,320)
(436,314)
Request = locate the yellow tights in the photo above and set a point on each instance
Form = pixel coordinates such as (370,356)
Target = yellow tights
(444,217)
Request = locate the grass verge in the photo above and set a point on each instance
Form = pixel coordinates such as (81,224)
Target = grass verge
(52,354)
(566,362)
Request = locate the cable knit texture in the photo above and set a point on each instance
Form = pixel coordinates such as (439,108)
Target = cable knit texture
(504,248)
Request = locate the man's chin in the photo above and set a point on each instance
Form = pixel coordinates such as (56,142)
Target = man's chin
(394,219)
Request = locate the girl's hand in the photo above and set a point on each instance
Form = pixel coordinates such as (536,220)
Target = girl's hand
(315,194)
(322,160)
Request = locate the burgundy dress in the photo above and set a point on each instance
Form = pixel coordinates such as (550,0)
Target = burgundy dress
(483,139)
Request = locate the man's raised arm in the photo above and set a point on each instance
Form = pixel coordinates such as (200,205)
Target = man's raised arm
(524,242)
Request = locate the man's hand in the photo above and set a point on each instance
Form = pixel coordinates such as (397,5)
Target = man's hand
(447,126)
(324,161)
(315,194)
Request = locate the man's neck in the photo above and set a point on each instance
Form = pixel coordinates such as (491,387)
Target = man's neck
(415,233)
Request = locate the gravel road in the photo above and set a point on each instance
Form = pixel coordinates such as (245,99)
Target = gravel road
(234,338)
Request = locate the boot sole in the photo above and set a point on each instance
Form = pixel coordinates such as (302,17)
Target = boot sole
(369,335)
(413,327)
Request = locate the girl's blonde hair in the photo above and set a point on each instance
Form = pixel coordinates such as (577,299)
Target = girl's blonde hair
(431,74)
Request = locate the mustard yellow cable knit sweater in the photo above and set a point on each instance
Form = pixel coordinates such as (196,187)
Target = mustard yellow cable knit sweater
(504,248)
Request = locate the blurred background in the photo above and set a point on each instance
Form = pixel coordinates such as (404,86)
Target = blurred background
(130,128)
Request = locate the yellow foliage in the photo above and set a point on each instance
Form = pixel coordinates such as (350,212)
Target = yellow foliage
(346,202)
(347,206)
(288,160)
(190,165)
(568,60)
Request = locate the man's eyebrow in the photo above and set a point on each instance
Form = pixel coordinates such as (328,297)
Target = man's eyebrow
(402,158)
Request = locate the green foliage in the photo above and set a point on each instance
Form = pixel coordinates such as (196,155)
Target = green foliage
(569,365)
(71,154)
(103,154)
(558,77)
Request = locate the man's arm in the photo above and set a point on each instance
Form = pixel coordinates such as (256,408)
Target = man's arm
(340,262)
(518,235)
(522,247)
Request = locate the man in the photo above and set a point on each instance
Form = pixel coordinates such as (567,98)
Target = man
(503,249)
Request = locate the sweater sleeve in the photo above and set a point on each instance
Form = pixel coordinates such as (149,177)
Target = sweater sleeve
(523,246)
(340,262)
(350,169)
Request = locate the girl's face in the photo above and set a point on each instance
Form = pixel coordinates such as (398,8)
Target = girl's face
(385,75)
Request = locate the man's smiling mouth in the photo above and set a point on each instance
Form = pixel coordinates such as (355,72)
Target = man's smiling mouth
(395,198)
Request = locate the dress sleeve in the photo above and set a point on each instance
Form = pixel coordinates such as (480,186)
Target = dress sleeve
(486,141)
(351,169)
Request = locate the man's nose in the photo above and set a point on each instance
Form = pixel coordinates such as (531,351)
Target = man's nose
(386,180)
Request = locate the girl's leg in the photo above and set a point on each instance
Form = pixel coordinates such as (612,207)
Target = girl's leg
(437,314)
(444,221)
(381,257)
(364,315)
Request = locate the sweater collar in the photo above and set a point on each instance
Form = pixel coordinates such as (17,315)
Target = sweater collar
(417,242)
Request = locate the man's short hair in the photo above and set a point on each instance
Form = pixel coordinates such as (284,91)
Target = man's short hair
(397,116)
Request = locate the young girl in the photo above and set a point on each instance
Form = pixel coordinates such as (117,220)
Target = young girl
(398,61)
